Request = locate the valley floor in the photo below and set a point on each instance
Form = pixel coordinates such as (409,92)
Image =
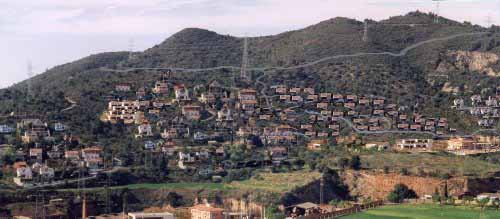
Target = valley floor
(425,211)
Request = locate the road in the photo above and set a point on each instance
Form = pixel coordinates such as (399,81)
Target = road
(399,54)
(73,104)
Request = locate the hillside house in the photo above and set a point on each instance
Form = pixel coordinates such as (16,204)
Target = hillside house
(278,154)
(161,87)
(181,93)
(36,132)
(24,173)
(322,105)
(337,98)
(5,129)
(414,144)
(351,98)
(144,130)
(460,143)
(207,98)
(206,212)
(224,115)
(312,98)
(317,144)
(325,96)
(36,153)
(216,88)
(141,92)
(281,90)
(191,112)
(309,91)
(295,90)
(123,88)
(59,127)
(123,111)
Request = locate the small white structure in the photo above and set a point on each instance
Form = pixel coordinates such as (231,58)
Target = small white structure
(24,173)
(145,130)
(142,215)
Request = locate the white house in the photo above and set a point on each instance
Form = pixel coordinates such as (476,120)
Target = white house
(144,130)
(24,173)
(5,129)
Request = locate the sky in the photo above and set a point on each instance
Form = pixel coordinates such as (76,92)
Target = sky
(47,33)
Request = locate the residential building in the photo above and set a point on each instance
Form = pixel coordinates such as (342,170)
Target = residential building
(181,93)
(191,112)
(316,144)
(144,130)
(414,143)
(205,211)
(122,88)
(142,215)
(5,129)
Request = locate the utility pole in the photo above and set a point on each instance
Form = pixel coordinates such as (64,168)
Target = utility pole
(365,32)
(131,47)
(438,5)
(244,60)
(30,75)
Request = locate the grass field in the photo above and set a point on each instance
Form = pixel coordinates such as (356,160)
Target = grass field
(267,182)
(425,211)
(276,182)
(442,163)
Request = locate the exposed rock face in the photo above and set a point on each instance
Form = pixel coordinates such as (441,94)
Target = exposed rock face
(473,61)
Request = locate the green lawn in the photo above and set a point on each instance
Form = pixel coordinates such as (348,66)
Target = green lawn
(425,211)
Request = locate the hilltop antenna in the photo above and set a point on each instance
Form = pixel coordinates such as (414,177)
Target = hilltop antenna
(30,75)
(131,48)
(438,4)
(244,60)
(365,34)
(489,21)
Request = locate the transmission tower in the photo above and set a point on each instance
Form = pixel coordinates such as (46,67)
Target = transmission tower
(489,21)
(30,75)
(438,5)
(365,32)
(244,60)
(131,47)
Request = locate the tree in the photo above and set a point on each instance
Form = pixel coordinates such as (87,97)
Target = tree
(174,199)
(483,202)
(342,162)
(404,172)
(355,162)
(400,193)
(468,199)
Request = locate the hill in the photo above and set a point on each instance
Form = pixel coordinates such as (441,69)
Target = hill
(404,79)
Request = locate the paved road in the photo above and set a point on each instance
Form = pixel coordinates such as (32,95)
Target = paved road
(73,104)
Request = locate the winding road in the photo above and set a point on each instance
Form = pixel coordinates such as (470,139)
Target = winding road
(73,104)
(399,54)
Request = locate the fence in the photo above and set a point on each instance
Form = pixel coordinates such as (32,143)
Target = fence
(347,211)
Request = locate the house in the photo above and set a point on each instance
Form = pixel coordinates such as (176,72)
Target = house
(161,87)
(207,98)
(141,92)
(378,102)
(364,101)
(142,215)
(36,132)
(191,112)
(280,90)
(46,172)
(377,145)
(458,103)
(315,145)
(312,98)
(309,90)
(350,105)
(144,130)
(403,126)
(378,112)
(322,105)
(351,98)
(205,211)
(5,129)
(149,145)
(285,98)
(297,99)
(224,115)
(414,143)
(36,153)
(337,98)
(215,88)
(491,196)
(295,90)
(337,114)
(122,111)
(24,173)
(278,154)
(59,127)
(181,93)
(92,158)
(72,155)
(325,96)
(122,88)
(460,143)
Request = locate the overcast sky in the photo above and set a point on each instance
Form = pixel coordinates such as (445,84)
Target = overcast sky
(53,32)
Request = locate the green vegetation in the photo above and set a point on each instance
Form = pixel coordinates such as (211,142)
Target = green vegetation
(400,193)
(429,164)
(425,211)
